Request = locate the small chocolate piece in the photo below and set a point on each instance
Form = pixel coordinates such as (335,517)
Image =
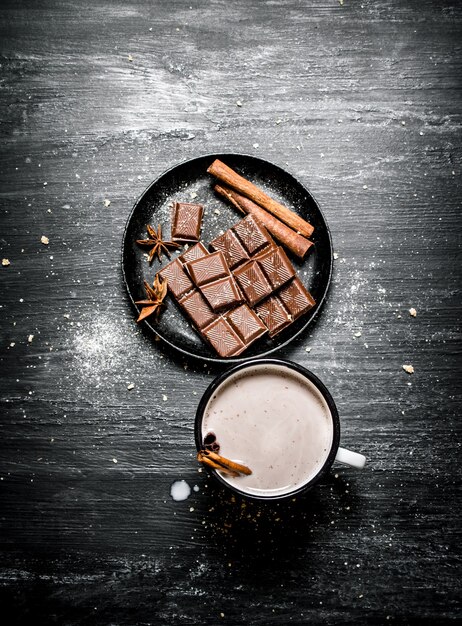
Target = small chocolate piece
(223,338)
(194,252)
(178,281)
(198,309)
(246,323)
(232,249)
(253,235)
(207,268)
(296,298)
(277,267)
(253,282)
(222,294)
(186,221)
(273,315)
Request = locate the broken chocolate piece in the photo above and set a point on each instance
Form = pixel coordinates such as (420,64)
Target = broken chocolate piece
(177,280)
(253,282)
(253,235)
(246,323)
(194,252)
(232,249)
(186,221)
(296,298)
(222,294)
(223,338)
(273,315)
(208,268)
(198,309)
(277,267)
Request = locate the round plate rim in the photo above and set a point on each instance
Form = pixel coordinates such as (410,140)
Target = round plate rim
(309,319)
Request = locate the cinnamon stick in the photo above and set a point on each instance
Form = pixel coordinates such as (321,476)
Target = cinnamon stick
(203,459)
(248,189)
(207,455)
(297,244)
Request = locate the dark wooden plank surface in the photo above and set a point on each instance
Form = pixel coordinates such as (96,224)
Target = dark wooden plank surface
(362,102)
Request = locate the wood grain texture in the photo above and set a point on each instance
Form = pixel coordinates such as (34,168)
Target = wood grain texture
(360,101)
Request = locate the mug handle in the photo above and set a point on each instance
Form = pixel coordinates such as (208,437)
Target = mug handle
(353,459)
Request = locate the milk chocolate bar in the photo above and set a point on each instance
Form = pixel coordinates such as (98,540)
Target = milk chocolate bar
(194,252)
(207,268)
(222,294)
(223,338)
(178,281)
(273,314)
(276,267)
(253,235)
(296,298)
(198,309)
(246,323)
(253,282)
(231,310)
(186,221)
(231,247)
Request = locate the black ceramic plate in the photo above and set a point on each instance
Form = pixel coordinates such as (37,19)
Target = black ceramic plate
(189,182)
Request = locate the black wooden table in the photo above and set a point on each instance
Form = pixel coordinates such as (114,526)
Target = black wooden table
(362,102)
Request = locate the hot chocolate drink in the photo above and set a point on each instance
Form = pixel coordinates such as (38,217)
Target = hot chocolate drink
(273,420)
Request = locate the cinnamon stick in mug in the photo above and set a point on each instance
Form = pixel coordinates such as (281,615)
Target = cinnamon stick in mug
(297,244)
(248,189)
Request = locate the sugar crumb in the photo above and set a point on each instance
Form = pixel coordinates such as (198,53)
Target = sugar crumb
(131,386)
(412,312)
(6,262)
(30,339)
(335,255)
(238,103)
(44,240)
(408,368)
(107,202)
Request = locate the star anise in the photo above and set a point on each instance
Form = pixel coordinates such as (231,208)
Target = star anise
(156,243)
(156,295)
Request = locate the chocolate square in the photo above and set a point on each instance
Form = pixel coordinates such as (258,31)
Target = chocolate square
(229,244)
(253,235)
(296,298)
(277,267)
(186,221)
(223,338)
(222,294)
(177,280)
(207,268)
(246,323)
(194,252)
(198,309)
(273,315)
(253,282)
